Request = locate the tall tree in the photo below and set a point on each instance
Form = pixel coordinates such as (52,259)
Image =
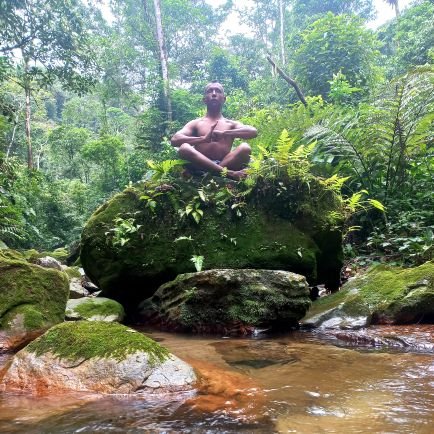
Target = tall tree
(163,59)
(48,41)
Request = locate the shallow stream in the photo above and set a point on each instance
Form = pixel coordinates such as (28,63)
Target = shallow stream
(302,382)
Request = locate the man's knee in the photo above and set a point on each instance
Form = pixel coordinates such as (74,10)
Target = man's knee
(245,149)
(185,151)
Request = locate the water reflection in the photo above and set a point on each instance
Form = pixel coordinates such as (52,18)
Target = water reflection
(295,383)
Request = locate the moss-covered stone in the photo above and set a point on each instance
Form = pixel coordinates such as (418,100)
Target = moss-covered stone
(86,340)
(271,226)
(229,301)
(384,294)
(12,254)
(31,297)
(95,309)
(72,272)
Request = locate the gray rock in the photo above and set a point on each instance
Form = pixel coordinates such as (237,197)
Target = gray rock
(94,309)
(49,262)
(76,290)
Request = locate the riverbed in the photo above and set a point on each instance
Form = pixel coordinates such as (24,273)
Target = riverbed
(302,382)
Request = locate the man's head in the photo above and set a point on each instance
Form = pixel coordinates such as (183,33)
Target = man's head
(214,95)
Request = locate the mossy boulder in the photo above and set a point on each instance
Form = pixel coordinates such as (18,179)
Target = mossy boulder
(148,234)
(94,309)
(96,357)
(31,297)
(382,295)
(229,302)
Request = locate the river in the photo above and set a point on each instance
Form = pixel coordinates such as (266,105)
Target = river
(302,382)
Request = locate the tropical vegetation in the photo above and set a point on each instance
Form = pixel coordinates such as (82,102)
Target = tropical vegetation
(90,93)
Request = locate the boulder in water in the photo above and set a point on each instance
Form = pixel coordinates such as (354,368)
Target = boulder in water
(96,357)
(382,295)
(154,231)
(228,301)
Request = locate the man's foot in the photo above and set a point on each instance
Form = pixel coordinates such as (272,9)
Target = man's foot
(237,175)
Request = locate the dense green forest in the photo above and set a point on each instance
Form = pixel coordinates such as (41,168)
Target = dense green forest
(87,102)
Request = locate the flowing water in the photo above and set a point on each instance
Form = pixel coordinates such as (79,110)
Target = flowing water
(302,382)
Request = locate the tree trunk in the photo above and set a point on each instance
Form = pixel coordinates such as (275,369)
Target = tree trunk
(27,91)
(28,137)
(163,59)
(282,45)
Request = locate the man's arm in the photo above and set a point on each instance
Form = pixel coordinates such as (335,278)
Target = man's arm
(185,135)
(238,131)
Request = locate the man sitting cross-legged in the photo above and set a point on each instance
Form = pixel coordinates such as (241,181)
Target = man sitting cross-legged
(207,142)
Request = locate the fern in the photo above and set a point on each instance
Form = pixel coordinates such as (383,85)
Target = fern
(378,144)
(161,169)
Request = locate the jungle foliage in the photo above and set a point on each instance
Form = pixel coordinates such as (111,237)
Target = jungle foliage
(85,103)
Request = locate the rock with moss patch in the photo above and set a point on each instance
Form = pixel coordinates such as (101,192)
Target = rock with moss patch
(49,262)
(31,297)
(96,357)
(229,301)
(94,309)
(382,295)
(150,233)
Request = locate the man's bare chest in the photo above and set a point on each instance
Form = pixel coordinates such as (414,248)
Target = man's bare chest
(203,127)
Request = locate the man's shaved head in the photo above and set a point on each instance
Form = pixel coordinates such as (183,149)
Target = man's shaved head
(213,84)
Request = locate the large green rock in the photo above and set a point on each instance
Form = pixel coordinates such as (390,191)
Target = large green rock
(148,234)
(383,295)
(229,302)
(31,297)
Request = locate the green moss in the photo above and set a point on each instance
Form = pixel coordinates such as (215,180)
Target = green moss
(24,315)
(32,255)
(383,291)
(93,307)
(277,229)
(12,254)
(98,339)
(24,284)
(222,298)
(60,254)
(72,272)
(383,285)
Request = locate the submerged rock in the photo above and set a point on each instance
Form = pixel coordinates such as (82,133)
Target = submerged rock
(96,357)
(94,309)
(31,297)
(228,301)
(383,295)
(150,233)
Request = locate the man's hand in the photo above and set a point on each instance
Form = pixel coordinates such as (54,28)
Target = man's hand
(210,133)
(218,135)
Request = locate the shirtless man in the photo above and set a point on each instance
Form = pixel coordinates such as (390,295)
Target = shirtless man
(207,142)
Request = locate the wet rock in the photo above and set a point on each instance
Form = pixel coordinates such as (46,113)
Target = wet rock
(13,340)
(94,309)
(96,357)
(383,295)
(31,297)
(228,301)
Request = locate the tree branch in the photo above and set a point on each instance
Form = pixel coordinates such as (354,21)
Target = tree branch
(288,79)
